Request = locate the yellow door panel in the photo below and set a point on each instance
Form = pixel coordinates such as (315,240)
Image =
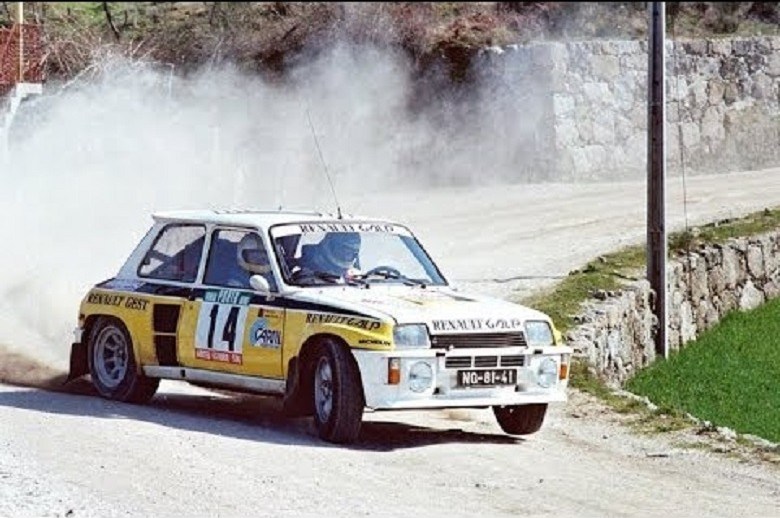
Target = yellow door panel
(223,332)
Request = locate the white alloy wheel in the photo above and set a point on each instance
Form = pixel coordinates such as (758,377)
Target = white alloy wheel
(323,389)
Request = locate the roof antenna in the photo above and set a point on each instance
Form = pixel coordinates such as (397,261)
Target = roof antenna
(324,165)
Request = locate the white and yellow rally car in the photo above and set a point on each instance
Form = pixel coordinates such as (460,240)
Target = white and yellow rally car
(336,315)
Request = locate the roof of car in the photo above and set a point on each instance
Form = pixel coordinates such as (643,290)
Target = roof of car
(250,217)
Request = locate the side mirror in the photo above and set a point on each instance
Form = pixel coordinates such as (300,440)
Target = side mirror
(260,284)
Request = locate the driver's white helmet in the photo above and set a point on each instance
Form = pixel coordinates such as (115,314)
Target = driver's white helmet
(252,256)
(341,249)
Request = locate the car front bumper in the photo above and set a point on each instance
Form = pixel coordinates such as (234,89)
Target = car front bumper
(446,392)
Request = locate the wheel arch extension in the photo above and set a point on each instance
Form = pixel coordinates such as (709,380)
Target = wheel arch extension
(79,353)
(300,372)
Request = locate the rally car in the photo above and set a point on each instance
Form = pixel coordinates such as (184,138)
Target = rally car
(336,315)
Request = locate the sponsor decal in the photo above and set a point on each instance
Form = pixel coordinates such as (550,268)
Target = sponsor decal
(105,299)
(361,323)
(218,356)
(347,227)
(233,297)
(269,313)
(136,303)
(371,341)
(110,299)
(261,336)
(477,324)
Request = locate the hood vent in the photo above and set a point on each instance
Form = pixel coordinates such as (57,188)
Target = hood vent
(478,340)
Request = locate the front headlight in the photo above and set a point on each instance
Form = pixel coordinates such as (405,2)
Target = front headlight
(411,336)
(539,332)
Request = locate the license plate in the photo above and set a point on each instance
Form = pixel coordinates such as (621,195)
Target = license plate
(487,377)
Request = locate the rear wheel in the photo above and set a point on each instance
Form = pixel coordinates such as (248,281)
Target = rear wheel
(520,419)
(338,394)
(112,365)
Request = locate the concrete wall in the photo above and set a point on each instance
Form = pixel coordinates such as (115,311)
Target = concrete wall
(593,95)
(615,330)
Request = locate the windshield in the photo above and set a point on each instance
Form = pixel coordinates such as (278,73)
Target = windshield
(352,253)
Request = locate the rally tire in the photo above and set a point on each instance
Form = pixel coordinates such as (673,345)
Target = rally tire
(337,394)
(520,419)
(112,364)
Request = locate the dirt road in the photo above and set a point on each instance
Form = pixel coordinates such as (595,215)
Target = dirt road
(198,453)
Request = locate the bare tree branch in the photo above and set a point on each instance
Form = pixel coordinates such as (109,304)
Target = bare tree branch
(109,20)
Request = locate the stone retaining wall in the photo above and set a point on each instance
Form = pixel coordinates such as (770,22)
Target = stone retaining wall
(615,330)
(588,103)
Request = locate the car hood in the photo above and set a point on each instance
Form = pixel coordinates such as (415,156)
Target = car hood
(443,309)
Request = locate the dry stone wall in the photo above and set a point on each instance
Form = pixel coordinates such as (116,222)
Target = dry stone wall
(615,329)
(589,105)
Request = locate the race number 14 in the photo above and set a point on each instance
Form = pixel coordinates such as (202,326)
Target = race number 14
(221,327)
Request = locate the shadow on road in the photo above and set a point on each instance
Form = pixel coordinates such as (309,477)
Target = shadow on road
(250,417)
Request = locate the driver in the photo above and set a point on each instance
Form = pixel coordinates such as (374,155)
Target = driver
(252,257)
(336,254)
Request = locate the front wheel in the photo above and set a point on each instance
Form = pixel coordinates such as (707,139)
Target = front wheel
(112,365)
(338,394)
(520,419)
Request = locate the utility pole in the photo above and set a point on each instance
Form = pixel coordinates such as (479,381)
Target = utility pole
(656,171)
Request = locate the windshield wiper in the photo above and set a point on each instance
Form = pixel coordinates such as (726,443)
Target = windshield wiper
(388,274)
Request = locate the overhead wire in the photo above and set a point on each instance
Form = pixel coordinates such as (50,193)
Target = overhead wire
(680,146)
(688,238)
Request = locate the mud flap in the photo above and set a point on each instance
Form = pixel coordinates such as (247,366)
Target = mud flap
(295,402)
(78,361)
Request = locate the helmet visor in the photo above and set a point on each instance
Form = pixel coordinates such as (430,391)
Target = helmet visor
(254,256)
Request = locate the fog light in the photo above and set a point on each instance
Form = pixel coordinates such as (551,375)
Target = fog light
(420,377)
(547,374)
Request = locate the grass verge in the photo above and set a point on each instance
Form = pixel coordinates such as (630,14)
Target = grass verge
(730,375)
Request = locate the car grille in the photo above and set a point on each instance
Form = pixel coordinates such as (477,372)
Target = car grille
(478,340)
(466,362)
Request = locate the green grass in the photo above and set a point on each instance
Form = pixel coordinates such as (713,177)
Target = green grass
(730,375)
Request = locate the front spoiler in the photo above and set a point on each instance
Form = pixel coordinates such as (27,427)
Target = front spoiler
(444,392)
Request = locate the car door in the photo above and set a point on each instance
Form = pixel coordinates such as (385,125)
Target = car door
(229,327)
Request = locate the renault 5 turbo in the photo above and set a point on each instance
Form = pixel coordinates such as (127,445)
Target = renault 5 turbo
(335,315)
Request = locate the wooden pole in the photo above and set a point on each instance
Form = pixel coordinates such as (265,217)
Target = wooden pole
(656,173)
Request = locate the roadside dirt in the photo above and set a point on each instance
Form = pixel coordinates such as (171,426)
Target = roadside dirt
(200,453)
(210,454)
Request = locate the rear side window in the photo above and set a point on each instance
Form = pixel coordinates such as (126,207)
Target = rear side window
(175,254)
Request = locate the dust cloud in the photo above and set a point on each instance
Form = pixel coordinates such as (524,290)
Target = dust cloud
(91,160)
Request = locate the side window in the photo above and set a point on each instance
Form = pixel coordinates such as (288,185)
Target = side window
(236,255)
(175,254)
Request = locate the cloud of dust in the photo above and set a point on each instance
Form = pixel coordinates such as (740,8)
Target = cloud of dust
(90,162)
